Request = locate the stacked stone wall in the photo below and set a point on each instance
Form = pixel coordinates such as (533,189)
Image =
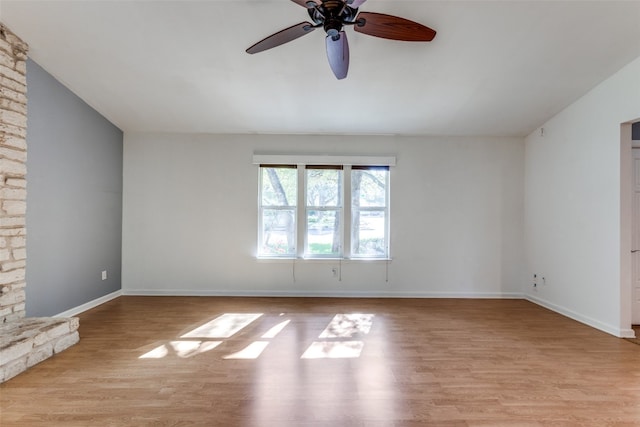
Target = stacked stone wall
(13,169)
(24,342)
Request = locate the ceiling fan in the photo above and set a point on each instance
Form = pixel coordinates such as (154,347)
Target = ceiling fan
(333,15)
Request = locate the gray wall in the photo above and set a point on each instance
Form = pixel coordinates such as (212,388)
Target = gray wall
(635,131)
(74,199)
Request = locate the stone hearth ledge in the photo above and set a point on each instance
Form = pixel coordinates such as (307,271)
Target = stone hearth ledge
(28,341)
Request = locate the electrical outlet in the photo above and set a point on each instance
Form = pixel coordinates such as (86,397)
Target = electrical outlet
(535,280)
(334,271)
(104,275)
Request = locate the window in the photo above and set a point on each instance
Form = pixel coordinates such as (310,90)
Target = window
(323,195)
(369,213)
(323,211)
(278,201)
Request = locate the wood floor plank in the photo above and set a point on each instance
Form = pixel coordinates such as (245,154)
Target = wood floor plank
(417,362)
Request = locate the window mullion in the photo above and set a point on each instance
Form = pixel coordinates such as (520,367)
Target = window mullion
(346,212)
(387,212)
(261,214)
(301,235)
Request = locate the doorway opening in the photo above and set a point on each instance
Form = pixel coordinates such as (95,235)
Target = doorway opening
(630,225)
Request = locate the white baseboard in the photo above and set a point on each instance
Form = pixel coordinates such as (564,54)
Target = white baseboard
(604,327)
(333,294)
(612,330)
(89,305)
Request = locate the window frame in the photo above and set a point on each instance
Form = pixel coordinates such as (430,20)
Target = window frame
(262,208)
(347,164)
(338,208)
(384,209)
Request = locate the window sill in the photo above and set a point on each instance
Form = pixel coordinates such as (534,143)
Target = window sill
(327,260)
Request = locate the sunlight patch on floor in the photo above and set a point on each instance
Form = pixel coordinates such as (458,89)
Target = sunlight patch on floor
(271,333)
(182,349)
(334,350)
(348,325)
(336,340)
(252,351)
(157,353)
(223,326)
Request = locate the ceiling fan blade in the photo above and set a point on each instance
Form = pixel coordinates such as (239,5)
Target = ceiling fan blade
(392,27)
(354,4)
(306,3)
(338,54)
(282,37)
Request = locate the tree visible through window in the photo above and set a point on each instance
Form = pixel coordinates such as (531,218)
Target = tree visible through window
(320,228)
(324,211)
(278,201)
(369,211)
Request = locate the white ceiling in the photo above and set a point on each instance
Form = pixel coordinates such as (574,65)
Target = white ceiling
(497,68)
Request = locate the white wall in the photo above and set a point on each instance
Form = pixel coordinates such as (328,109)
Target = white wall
(190,218)
(573,205)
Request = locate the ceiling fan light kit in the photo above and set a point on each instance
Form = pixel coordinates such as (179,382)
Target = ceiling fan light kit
(333,16)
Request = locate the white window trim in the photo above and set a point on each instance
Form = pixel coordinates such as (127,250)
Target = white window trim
(321,159)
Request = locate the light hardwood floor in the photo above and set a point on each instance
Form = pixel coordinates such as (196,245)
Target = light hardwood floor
(424,362)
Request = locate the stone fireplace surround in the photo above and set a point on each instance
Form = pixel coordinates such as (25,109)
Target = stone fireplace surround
(24,341)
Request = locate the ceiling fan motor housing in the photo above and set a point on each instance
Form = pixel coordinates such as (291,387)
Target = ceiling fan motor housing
(332,15)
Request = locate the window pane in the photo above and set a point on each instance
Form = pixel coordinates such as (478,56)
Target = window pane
(368,233)
(368,188)
(323,232)
(324,187)
(278,232)
(279,186)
